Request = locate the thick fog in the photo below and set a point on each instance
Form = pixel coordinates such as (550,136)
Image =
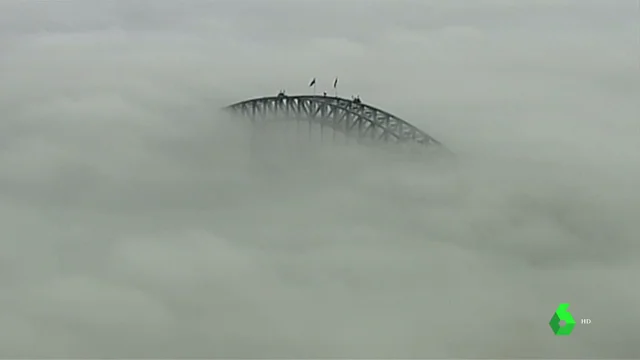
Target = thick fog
(136,220)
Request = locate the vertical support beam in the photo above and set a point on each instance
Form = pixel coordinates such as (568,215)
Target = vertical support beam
(254,110)
(334,124)
(347,125)
(298,114)
(323,117)
(312,114)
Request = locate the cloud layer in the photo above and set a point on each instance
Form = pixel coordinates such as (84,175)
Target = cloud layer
(137,221)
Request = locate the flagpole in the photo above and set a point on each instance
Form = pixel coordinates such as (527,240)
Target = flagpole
(335,86)
(313,84)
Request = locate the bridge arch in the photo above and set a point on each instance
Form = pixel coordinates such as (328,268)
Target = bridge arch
(352,118)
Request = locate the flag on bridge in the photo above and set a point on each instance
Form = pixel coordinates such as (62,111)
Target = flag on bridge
(313,82)
(335,83)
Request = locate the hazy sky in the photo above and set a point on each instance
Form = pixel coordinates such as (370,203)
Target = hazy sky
(135,221)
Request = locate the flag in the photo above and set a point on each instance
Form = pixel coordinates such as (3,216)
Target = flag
(313,82)
(335,83)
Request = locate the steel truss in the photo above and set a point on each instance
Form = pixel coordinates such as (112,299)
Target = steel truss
(352,118)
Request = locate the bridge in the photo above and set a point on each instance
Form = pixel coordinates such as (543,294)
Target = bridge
(350,117)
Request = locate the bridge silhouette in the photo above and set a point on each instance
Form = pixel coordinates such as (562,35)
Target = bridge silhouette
(347,116)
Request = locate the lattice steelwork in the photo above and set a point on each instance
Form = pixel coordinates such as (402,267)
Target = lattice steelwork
(349,117)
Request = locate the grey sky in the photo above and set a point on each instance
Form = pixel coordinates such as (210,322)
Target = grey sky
(135,221)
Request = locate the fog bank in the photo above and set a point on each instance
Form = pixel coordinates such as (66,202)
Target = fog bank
(137,220)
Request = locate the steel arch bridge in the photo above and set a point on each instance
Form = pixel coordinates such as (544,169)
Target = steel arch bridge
(349,117)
